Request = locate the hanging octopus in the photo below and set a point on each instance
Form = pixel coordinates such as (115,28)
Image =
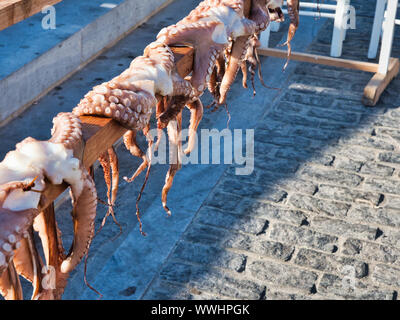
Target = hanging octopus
(151,82)
(25,174)
(209,29)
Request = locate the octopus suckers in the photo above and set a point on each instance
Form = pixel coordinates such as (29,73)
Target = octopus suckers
(2,259)
(7,247)
(12,238)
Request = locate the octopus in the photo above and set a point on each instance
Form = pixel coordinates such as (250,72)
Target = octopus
(208,29)
(151,83)
(25,174)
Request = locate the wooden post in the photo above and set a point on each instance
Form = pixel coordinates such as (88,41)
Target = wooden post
(375,86)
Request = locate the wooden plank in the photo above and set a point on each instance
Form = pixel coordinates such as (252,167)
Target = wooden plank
(317,59)
(100,134)
(14,11)
(379,82)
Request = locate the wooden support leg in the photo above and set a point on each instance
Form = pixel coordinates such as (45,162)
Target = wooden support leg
(379,82)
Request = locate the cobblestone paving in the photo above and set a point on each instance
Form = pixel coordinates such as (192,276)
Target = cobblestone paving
(319,217)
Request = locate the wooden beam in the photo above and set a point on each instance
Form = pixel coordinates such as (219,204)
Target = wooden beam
(318,59)
(14,11)
(379,82)
(99,134)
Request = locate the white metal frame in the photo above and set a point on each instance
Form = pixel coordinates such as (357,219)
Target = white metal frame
(340,16)
(384,23)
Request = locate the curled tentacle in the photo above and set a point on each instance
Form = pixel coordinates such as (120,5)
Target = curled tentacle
(109,162)
(196,110)
(174,136)
(67,130)
(293,7)
(134,149)
(84,214)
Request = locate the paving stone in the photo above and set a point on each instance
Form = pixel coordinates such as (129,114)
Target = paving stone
(340,286)
(376,169)
(368,142)
(332,176)
(212,236)
(391,157)
(211,280)
(355,153)
(386,275)
(269,211)
(209,255)
(232,186)
(279,295)
(222,200)
(299,185)
(391,201)
(282,275)
(343,228)
(307,99)
(167,291)
(329,262)
(385,132)
(319,206)
(371,215)
(303,236)
(382,185)
(225,219)
(347,164)
(348,195)
(314,133)
(371,251)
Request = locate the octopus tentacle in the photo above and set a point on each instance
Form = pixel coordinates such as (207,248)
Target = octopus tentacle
(243,67)
(293,7)
(14,225)
(261,20)
(10,286)
(109,162)
(84,214)
(67,130)
(196,114)
(29,265)
(131,144)
(174,136)
(200,36)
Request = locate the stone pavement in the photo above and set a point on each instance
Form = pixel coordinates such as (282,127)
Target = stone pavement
(319,218)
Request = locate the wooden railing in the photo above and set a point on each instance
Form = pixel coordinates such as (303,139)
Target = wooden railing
(14,11)
(99,134)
